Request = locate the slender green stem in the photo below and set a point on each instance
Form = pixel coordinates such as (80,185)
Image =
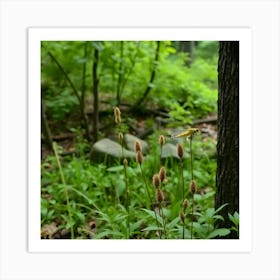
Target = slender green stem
(150,198)
(192,216)
(183,182)
(163,220)
(127,202)
(126,190)
(183,229)
(65,190)
(160,156)
(183,191)
(191,157)
(145,183)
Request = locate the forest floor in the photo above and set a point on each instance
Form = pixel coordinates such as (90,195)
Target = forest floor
(66,137)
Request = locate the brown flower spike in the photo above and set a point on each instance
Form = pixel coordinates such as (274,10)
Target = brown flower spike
(137,146)
(117,114)
(193,187)
(180,151)
(160,196)
(121,137)
(156,181)
(139,157)
(162,174)
(161,140)
(185,204)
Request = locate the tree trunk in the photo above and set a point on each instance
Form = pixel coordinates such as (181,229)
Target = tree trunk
(120,77)
(227,177)
(83,93)
(95,96)
(188,46)
(153,74)
(45,127)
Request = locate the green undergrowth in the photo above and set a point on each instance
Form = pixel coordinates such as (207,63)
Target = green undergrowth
(96,196)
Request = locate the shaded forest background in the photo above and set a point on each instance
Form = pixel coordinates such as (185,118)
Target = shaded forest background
(161,88)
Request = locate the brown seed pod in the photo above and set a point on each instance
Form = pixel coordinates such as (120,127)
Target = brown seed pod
(193,187)
(121,137)
(160,195)
(162,174)
(180,151)
(117,114)
(139,157)
(185,204)
(161,140)
(156,181)
(137,146)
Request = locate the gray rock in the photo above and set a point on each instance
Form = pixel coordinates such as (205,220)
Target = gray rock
(170,150)
(108,148)
(130,140)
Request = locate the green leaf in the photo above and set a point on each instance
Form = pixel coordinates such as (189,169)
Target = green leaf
(221,207)
(173,223)
(210,212)
(149,228)
(115,168)
(219,232)
(152,214)
(234,218)
(107,233)
(218,217)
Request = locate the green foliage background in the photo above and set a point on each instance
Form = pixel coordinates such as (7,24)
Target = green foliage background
(185,91)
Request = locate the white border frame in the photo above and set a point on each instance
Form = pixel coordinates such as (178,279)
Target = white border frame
(262,16)
(243,35)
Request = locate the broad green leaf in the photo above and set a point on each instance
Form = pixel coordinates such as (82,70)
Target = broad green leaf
(149,228)
(108,233)
(115,168)
(219,232)
(173,223)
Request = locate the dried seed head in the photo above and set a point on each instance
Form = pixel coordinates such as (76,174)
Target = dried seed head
(156,181)
(120,138)
(161,140)
(180,151)
(185,204)
(139,157)
(160,196)
(125,162)
(162,174)
(117,114)
(182,216)
(137,146)
(193,187)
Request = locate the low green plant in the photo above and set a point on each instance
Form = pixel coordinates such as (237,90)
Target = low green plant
(95,196)
(69,218)
(235,220)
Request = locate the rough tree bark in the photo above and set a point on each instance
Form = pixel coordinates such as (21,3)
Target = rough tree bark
(227,176)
